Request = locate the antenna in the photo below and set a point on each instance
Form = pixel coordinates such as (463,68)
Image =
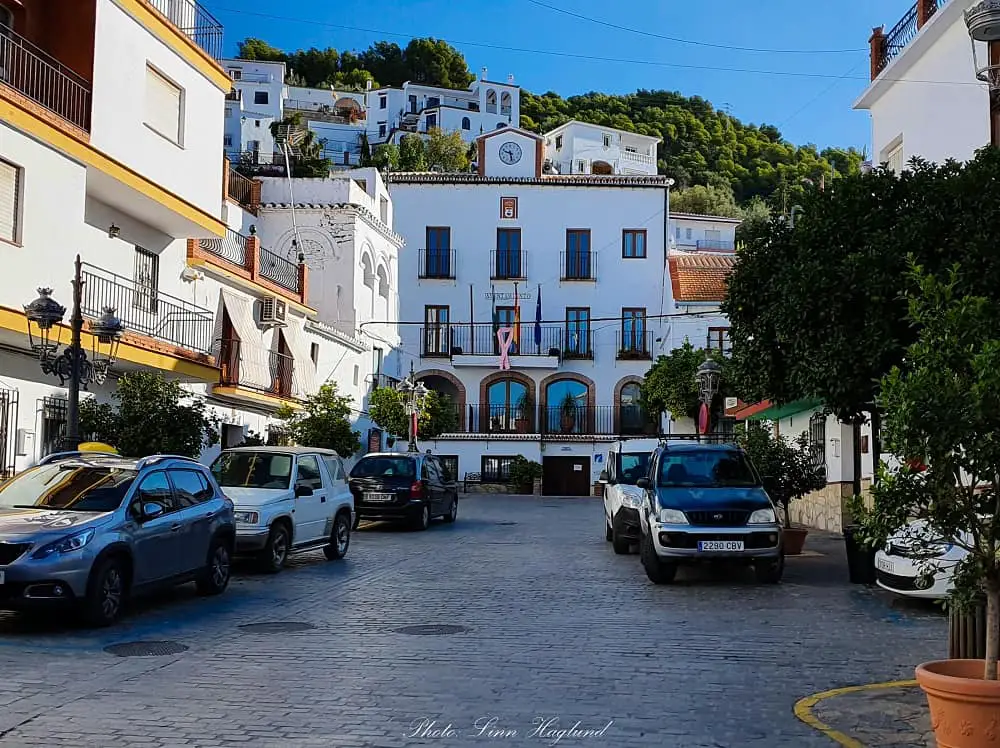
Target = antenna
(285,136)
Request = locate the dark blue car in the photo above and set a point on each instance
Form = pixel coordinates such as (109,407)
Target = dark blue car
(706,502)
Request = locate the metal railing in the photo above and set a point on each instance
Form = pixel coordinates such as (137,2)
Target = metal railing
(234,95)
(558,420)
(579,344)
(195,22)
(481,340)
(146,310)
(436,263)
(578,266)
(635,345)
(241,189)
(279,270)
(43,79)
(508,264)
(232,247)
(278,367)
(716,244)
(904,32)
(384,380)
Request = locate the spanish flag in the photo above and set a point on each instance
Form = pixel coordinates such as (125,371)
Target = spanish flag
(517,318)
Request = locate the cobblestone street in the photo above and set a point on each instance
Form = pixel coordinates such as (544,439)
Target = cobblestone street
(553,625)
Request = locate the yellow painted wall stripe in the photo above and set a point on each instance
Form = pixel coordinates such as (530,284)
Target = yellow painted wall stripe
(178,41)
(804,707)
(90,156)
(259,397)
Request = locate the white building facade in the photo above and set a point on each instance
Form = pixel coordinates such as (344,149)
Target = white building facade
(585,148)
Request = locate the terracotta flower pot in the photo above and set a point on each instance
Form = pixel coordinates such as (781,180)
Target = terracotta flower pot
(795,538)
(965,709)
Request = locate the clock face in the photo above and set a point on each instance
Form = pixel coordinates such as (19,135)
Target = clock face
(510,152)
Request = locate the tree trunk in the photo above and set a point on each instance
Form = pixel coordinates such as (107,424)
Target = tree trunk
(788,518)
(992,631)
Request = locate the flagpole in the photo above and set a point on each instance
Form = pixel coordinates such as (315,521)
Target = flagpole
(538,320)
(472,326)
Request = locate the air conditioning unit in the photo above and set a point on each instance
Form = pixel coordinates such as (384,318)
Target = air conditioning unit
(273,311)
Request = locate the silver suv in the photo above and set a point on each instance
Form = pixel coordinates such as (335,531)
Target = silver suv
(89,530)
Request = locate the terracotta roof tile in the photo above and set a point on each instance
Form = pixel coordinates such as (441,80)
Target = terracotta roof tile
(700,276)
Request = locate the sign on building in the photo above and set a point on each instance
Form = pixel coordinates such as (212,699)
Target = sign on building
(508,208)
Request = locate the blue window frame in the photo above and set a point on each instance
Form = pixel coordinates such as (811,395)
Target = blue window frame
(578,257)
(508,256)
(438,256)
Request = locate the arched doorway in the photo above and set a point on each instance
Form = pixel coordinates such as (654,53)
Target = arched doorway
(506,404)
(601,167)
(566,410)
(446,384)
(631,418)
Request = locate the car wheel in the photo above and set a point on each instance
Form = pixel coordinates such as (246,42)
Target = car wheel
(621,545)
(275,553)
(770,572)
(215,578)
(657,571)
(340,538)
(106,593)
(423,520)
(608,532)
(452,514)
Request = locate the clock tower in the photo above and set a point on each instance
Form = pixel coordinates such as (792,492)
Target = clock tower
(510,152)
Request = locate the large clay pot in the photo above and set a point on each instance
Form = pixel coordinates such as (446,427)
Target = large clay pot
(795,538)
(965,709)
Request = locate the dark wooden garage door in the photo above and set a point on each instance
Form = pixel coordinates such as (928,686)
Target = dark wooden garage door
(566,476)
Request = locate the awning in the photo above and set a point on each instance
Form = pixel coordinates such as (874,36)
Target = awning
(303,370)
(777,412)
(255,369)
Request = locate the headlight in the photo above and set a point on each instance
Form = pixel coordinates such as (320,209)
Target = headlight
(246,518)
(672,517)
(763,517)
(66,545)
(632,500)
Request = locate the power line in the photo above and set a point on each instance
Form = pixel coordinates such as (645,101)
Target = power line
(817,97)
(694,42)
(595,58)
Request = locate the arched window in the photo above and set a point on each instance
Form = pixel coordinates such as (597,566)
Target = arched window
(367,271)
(466,123)
(630,414)
(491,101)
(509,407)
(505,103)
(383,282)
(566,407)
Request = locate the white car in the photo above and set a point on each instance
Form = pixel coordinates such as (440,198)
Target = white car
(622,498)
(287,499)
(915,564)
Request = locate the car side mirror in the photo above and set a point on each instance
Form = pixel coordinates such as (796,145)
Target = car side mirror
(643,483)
(151,511)
(603,477)
(302,490)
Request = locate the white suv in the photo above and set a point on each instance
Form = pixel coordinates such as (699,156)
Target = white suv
(622,498)
(287,499)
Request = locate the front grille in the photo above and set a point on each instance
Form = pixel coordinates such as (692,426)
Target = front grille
(11,552)
(718,518)
(896,582)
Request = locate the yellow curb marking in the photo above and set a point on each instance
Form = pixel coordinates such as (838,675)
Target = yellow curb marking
(804,707)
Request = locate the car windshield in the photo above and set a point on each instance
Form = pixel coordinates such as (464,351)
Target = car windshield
(632,466)
(253,470)
(384,467)
(74,487)
(708,468)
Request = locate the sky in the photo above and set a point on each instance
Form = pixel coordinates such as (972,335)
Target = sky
(802,65)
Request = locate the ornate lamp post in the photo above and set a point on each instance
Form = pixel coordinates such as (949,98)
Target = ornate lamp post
(983,22)
(72,364)
(708,376)
(413,394)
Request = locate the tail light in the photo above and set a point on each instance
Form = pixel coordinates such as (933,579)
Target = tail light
(417,490)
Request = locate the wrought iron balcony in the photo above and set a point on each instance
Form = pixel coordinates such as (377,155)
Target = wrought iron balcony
(635,345)
(195,22)
(232,248)
(894,42)
(558,421)
(717,245)
(146,310)
(578,266)
(459,339)
(508,264)
(254,367)
(280,271)
(43,79)
(436,264)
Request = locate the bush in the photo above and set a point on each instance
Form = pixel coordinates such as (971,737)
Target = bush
(523,472)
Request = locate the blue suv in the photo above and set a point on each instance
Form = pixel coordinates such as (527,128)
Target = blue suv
(706,502)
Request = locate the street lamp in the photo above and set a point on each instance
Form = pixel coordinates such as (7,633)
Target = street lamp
(414,394)
(983,23)
(72,364)
(708,376)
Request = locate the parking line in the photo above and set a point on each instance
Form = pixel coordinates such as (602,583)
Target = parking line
(803,709)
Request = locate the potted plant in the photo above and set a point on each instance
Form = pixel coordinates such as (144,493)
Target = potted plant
(522,418)
(567,413)
(942,408)
(789,474)
(523,473)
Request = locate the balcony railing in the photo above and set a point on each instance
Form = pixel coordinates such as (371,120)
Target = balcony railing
(242,190)
(279,270)
(43,79)
(146,310)
(639,158)
(896,40)
(436,263)
(716,245)
(232,247)
(579,344)
(234,95)
(558,420)
(195,22)
(481,340)
(578,266)
(384,380)
(254,367)
(635,345)
(508,264)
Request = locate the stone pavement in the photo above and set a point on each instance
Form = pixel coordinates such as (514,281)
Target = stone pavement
(894,717)
(553,626)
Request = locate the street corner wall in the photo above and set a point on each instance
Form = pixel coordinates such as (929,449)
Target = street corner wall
(826,509)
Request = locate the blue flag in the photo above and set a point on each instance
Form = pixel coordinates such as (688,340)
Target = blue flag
(538,317)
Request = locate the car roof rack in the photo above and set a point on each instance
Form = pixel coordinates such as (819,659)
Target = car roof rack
(74,453)
(153,459)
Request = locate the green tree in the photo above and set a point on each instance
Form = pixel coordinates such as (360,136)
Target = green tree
(943,408)
(412,153)
(436,63)
(708,201)
(365,157)
(307,157)
(150,415)
(323,421)
(385,157)
(437,416)
(446,151)
(257,49)
(670,385)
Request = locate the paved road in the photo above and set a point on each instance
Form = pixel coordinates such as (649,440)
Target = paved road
(556,627)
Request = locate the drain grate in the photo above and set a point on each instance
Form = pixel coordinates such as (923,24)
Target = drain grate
(145,649)
(431,629)
(276,627)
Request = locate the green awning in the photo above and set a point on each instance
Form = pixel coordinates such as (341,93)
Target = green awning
(777,412)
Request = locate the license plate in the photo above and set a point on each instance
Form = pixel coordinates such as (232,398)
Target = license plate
(720,545)
(884,564)
(379,497)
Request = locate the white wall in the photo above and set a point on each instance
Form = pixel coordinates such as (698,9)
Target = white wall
(580,142)
(526,166)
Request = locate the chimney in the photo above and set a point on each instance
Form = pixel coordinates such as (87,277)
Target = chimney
(878,48)
(510,79)
(483,76)
(925,9)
